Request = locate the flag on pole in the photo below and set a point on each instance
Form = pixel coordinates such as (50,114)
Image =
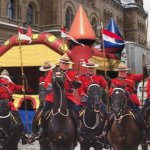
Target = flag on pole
(113,41)
(22,36)
(112,38)
(64,34)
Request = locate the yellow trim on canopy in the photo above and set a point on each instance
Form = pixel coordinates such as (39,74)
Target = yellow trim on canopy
(111,64)
(32,55)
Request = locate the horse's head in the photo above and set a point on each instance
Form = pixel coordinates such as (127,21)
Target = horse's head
(119,101)
(58,78)
(94,93)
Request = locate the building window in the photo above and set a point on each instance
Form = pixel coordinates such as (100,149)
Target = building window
(69,17)
(30,14)
(94,24)
(11,9)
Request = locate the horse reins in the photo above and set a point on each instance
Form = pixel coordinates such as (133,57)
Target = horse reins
(59,109)
(3,117)
(96,122)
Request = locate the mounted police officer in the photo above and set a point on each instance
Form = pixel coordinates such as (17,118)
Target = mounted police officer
(70,83)
(42,90)
(128,84)
(88,78)
(7,89)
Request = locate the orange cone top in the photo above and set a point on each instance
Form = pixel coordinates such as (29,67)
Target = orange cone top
(81,27)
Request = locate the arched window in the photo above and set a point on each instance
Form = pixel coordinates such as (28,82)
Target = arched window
(69,17)
(94,24)
(11,9)
(30,14)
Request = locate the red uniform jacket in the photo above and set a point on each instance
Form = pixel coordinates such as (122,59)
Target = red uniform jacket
(87,79)
(148,88)
(7,89)
(69,91)
(135,77)
(129,86)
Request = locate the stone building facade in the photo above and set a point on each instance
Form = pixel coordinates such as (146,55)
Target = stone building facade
(44,15)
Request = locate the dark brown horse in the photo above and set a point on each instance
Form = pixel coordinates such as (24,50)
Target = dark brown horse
(61,128)
(9,130)
(146,115)
(125,133)
(91,119)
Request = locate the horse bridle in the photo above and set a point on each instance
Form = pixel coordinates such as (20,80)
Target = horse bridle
(96,122)
(59,109)
(121,110)
(119,120)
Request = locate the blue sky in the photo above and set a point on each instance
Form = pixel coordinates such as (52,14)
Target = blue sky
(147,8)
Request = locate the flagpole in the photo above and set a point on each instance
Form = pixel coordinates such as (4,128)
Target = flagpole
(105,72)
(144,58)
(63,39)
(23,82)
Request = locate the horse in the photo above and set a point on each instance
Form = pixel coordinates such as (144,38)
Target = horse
(91,119)
(124,133)
(9,131)
(146,115)
(61,127)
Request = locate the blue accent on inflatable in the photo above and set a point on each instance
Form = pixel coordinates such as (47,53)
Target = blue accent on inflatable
(119,45)
(30,115)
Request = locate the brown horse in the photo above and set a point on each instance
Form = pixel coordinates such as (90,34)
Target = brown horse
(61,128)
(125,133)
(146,115)
(91,119)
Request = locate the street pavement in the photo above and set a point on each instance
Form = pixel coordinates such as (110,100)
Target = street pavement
(35,146)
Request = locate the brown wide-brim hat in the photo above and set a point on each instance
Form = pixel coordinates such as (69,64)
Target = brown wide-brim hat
(65,59)
(122,67)
(47,66)
(90,64)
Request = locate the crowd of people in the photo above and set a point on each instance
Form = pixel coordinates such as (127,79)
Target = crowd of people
(74,83)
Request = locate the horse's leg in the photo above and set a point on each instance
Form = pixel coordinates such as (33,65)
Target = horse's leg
(144,147)
(84,146)
(44,145)
(98,147)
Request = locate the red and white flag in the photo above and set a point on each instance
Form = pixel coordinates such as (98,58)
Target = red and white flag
(64,34)
(23,36)
(112,37)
